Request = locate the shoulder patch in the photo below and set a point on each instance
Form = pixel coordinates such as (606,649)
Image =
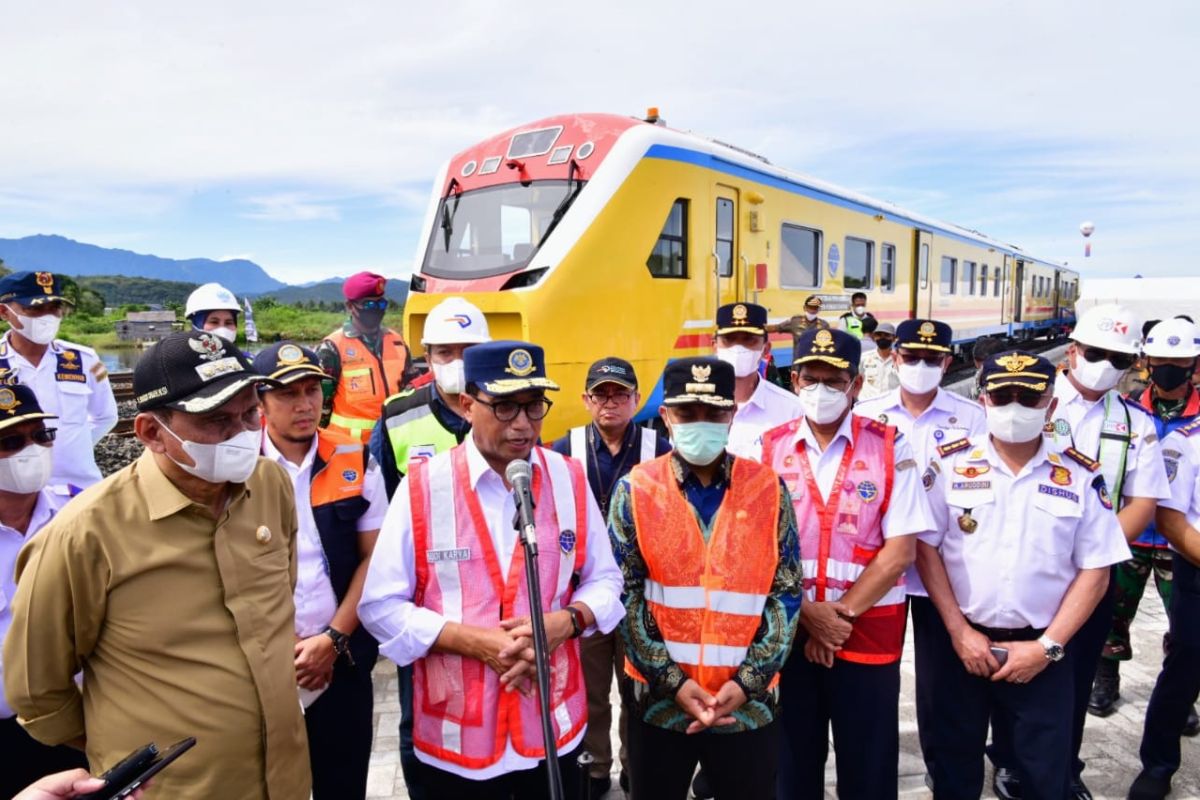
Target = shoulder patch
(1189,429)
(1102,492)
(1090,464)
(953,447)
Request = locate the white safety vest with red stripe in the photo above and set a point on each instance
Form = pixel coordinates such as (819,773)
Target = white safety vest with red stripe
(462,714)
(840,536)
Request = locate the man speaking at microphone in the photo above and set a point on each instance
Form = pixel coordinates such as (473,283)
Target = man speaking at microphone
(446,590)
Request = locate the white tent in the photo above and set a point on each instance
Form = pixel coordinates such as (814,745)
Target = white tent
(1149,298)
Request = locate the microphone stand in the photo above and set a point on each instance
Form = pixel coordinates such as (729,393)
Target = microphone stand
(541,647)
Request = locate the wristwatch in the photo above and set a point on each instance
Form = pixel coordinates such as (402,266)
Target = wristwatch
(578,622)
(341,642)
(1054,650)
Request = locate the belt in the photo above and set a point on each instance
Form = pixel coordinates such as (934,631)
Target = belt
(1026,634)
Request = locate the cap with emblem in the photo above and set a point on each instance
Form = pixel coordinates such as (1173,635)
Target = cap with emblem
(506,367)
(741,317)
(288,362)
(18,403)
(1110,326)
(611,370)
(924,334)
(836,348)
(1016,368)
(698,380)
(1173,338)
(192,371)
(813,302)
(363,285)
(32,288)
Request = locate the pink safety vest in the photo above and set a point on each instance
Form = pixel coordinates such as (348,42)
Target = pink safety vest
(839,538)
(462,714)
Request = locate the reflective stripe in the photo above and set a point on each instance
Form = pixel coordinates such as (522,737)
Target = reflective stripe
(694,597)
(894,597)
(579,444)
(563,717)
(834,570)
(351,423)
(649,445)
(715,655)
(444,537)
(564,508)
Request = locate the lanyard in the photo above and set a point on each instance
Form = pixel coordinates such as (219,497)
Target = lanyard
(826,511)
(626,448)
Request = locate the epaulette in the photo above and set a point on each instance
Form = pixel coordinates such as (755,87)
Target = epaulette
(1189,429)
(953,447)
(1088,463)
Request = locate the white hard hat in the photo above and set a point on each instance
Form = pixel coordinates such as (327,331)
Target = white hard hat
(1173,338)
(1110,326)
(210,297)
(455,321)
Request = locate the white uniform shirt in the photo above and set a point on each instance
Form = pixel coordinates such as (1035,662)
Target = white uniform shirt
(1181,455)
(769,407)
(316,602)
(1145,475)
(84,405)
(49,501)
(879,374)
(1034,532)
(948,419)
(406,631)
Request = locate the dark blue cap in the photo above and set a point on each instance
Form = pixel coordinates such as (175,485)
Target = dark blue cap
(31,288)
(836,348)
(924,334)
(736,317)
(1016,368)
(705,380)
(287,362)
(18,403)
(506,367)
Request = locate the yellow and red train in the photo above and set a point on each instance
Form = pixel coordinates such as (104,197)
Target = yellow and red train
(596,234)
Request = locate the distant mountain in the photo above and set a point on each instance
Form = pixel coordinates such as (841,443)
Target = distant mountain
(59,254)
(330,291)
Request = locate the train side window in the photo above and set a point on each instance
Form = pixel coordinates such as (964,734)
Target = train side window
(799,257)
(724,237)
(859,259)
(924,266)
(949,268)
(983,276)
(996,283)
(968,277)
(668,259)
(887,267)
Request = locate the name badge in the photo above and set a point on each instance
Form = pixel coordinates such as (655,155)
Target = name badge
(458,554)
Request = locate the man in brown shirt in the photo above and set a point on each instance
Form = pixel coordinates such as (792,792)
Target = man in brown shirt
(170,585)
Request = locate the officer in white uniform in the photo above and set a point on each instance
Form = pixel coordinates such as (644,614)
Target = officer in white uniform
(69,379)
(761,405)
(929,417)
(1019,561)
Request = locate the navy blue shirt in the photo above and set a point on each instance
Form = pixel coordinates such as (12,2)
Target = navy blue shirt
(603,468)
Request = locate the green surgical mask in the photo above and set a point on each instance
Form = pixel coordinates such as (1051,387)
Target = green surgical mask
(699,443)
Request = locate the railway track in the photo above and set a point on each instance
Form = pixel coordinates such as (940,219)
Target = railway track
(122,386)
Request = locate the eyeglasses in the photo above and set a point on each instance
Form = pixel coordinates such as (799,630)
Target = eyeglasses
(17,441)
(1027,398)
(837,384)
(612,398)
(507,410)
(373,305)
(932,360)
(1118,360)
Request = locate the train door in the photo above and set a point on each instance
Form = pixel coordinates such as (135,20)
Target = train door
(729,271)
(923,284)
(1018,292)
(1058,315)
(1004,288)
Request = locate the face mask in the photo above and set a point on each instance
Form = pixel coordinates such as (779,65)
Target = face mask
(1169,377)
(823,405)
(810,315)
(39,330)
(919,378)
(860,311)
(743,359)
(451,378)
(1099,376)
(1014,423)
(699,443)
(230,461)
(370,320)
(26,471)
(228,334)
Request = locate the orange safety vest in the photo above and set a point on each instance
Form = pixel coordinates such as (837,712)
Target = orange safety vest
(706,598)
(366,381)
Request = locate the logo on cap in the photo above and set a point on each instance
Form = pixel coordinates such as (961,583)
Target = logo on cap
(520,363)
(1015,362)
(927,331)
(701,372)
(8,400)
(208,347)
(462,319)
(739,314)
(613,368)
(1173,341)
(46,281)
(823,342)
(289,354)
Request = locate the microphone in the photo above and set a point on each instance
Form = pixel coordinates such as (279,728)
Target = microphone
(519,475)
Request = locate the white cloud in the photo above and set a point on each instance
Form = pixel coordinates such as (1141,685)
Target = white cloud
(289,207)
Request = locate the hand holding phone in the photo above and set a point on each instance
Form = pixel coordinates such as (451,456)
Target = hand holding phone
(136,769)
(1000,654)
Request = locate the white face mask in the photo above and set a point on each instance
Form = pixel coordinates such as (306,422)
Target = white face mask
(39,330)
(1014,423)
(919,378)
(860,311)
(228,334)
(744,360)
(451,378)
(26,471)
(230,461)
(1099,376)
(823,405)
(810,315)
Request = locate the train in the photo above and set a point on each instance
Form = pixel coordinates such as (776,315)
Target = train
(599,234)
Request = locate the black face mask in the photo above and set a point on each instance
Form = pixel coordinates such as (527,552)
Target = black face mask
(369,320)
(1170,377)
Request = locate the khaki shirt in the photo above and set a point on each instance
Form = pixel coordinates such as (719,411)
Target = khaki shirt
(182,625)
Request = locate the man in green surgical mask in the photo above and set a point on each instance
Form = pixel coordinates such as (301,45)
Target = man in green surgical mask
(707,545)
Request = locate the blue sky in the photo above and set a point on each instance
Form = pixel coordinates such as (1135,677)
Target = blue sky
(306,137)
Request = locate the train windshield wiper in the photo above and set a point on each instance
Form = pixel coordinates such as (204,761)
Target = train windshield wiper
(447,214)
(573,186)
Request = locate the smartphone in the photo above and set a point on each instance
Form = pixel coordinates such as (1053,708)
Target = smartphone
(137,768)
(1000,654)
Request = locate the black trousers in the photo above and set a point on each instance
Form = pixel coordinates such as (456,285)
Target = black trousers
(410,767)
(26,759)
(339,727)
(929,636)
(1037,716)
(1179,682)
(526,784)
(739,766)
(861,703)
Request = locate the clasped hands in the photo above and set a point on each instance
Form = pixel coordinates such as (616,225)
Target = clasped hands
(828,625)
(508,650)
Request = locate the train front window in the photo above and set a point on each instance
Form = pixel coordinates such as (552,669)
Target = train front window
(493,231)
